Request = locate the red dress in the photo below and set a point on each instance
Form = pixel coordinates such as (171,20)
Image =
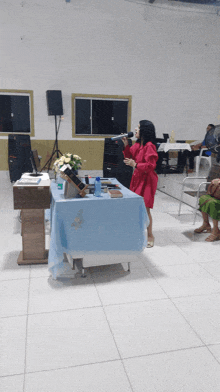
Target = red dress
(144,179)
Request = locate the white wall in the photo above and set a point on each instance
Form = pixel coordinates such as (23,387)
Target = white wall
(168,59)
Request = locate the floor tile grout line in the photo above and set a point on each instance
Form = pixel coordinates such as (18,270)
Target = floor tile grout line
(177,265)
(113,337)
(12,375)
(109,360)
(62,368)
(196,295)
(122,303)
(68,367)
(168,265)
(12,279)
(212,275)
(114,360)
(218,360)
(65,310)
(165,352)
(135,302)
(213,344)
(116,304)
(163,299)
(198,336)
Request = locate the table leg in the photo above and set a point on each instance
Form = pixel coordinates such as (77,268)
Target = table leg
(129,269)
(83,273)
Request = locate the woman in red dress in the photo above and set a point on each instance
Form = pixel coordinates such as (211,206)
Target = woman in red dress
(143,157)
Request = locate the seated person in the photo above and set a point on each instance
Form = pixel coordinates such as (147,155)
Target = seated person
(209,207)
(195,152)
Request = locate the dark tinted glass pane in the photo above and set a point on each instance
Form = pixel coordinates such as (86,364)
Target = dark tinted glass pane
(83,116)
(109,117)
(120,111)
(102,112)
(14,113)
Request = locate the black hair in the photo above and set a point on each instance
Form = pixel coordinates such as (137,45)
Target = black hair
(211,125)
(147,132)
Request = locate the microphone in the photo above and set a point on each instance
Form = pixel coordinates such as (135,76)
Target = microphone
(129,134)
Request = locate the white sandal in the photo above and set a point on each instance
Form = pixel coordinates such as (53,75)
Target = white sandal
(150,244)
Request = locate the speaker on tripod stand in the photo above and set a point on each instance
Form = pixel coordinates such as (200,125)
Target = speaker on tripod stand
(55,108)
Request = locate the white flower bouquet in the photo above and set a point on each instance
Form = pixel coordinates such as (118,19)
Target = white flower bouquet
(73,160)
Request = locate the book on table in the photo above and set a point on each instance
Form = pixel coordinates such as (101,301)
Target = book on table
(114,193)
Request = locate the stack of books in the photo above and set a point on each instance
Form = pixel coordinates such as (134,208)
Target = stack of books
(29,181)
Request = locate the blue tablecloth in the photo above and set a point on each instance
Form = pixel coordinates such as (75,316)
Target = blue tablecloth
(100,225)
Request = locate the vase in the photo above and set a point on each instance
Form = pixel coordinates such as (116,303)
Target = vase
(58,178)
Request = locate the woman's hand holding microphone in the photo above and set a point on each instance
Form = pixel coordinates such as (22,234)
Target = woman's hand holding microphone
(128,161)
(125,140)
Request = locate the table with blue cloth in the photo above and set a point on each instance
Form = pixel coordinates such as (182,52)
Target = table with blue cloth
(99,230)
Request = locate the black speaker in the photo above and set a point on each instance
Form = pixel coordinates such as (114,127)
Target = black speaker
(19,154)
(54,103)
(113,165)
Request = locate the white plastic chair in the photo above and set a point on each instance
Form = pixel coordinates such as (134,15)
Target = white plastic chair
(196,193)
(198,189)
(199,157)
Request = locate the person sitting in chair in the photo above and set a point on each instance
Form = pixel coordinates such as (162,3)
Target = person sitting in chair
(195,152)
(209,207)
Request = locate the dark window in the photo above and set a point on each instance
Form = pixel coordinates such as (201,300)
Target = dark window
(14,113)
(101,116)
(82,110)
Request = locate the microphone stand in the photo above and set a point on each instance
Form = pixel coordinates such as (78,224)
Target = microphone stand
(55,149)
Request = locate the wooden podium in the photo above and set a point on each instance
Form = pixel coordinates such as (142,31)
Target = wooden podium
(32,200)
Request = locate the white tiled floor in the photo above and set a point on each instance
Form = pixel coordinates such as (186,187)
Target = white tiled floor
(155,329)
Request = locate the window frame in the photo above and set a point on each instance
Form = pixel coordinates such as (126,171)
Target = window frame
(31,106)
(104,97)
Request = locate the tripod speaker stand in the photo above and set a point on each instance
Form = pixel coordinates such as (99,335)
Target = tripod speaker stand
(55,151)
